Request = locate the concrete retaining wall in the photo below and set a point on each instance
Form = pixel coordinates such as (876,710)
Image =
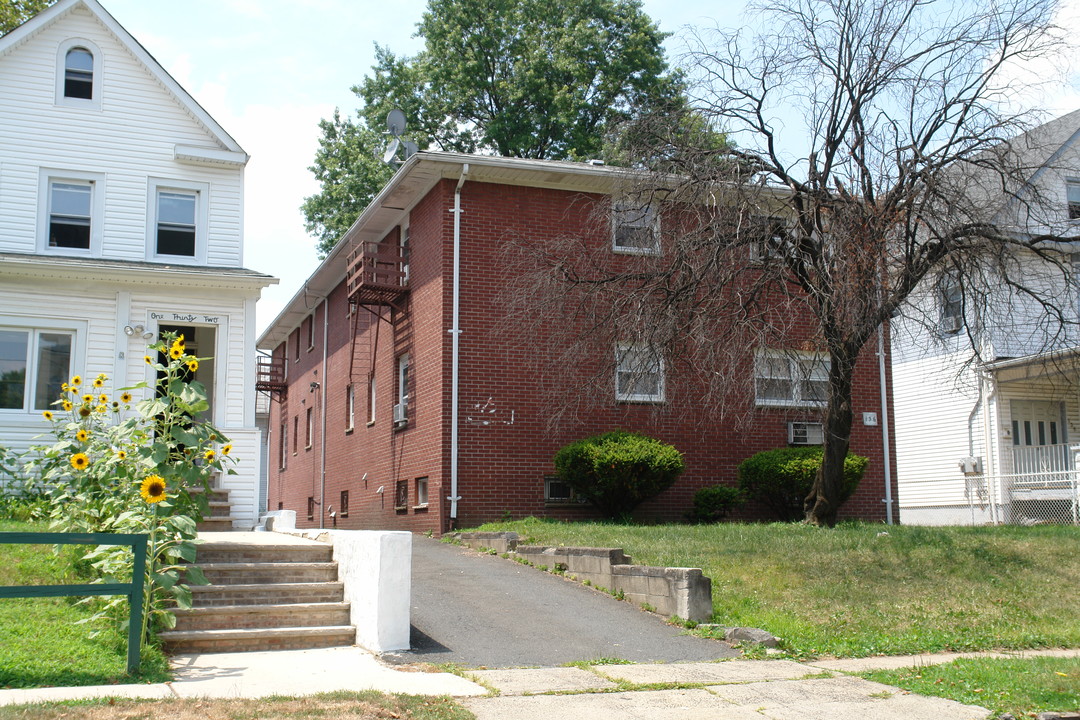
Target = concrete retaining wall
(673,592)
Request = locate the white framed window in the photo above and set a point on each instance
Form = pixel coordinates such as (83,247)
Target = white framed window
(639,374)
(78,74)
(1072,197)
(311,332)
(371,399)
(786,378)
(806,433)
(769,238)
(71,207)
(635,228)
(951,302)
(421,492)
(34,364)
(309,428)
(176,220)
(401,408)
(350,404)
(405,253)
(284,444)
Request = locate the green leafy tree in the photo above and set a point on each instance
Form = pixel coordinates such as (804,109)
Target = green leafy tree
(519,78)
(15,12)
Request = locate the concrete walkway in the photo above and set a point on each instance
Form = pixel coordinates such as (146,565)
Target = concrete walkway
(727,690)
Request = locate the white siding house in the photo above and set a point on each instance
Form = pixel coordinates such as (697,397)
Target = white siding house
(996,440)
(121,216)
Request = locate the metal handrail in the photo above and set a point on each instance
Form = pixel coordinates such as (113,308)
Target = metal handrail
(133,589)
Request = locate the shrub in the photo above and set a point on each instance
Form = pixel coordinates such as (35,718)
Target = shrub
(713,503)
(781,479)
(618,470)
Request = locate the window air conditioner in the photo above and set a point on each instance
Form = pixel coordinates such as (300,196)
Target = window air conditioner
(400,414)
(805,433)
(951,323)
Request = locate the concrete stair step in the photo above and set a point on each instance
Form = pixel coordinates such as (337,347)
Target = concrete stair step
(215,524)
(250,573)
(220,509)
(253,639)
(233,617)
(211,552)
(266,594)
(215,495)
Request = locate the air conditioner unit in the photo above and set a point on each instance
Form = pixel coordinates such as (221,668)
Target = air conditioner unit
(400,413)
(805,433)
(951,324)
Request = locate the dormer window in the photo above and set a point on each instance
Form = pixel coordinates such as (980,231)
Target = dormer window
(79,74)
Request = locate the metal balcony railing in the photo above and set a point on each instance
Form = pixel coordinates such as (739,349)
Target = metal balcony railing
(378,274)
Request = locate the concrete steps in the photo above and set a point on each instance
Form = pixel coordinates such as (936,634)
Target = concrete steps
(220,517)
(263,596)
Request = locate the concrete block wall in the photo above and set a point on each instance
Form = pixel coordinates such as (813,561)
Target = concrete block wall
(673,592)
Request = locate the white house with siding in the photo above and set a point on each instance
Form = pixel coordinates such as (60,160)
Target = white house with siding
(996,440)
(121,217)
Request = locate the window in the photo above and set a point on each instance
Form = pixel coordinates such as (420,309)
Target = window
(70,212)
(176,223)
(79,74)
(636,228)
(1072,196)
(401,409)
(297,345)
(557,491)
(371,399)
(951,300)
(769,238)
(421,492)
(639,374)
(311,508)
(284,449)
(295,432)
(349,405)
(401,495)
(791,379)
(34,364)
(311,332)
(309,428)
(805,433)
(343,504)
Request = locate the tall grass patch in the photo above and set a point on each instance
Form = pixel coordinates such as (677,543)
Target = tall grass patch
(866,589)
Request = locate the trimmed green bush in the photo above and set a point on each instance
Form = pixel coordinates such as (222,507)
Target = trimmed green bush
(713,503)
(781,479)
(618,470)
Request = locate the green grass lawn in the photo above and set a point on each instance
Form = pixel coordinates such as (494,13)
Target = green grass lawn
(1020,687)
(865,589)
(41,643)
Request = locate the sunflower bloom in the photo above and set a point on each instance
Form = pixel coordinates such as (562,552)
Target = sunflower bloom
(226,450)
(176,352)
(84,411)
(67,405)
(149,360)
(64,387)
(209,455)
(47,414)
(101,408)
(99,383)
(153,489)
(121,455)
(193,365)
(76,381)
(125,397)
(80,461)
(82,436)
(88,398)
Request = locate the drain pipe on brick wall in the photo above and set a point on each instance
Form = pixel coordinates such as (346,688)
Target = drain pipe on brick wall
(885,450)
(322,410)
(455,335)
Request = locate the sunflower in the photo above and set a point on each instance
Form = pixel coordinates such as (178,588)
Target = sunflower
(209,455)
(47,414)
(88,398)
(176,352)
(76,381)
(84,411)
(125,397)
(64,387)
(149,360)
(121,455)
(99,382)
(193,365)
(152,489)
(101,408)
(116,406)
(82,435)
(226,449)
(66,404)
(79,461)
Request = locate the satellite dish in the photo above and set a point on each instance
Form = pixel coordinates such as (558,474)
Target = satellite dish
(395,122)
(410,148)
(391,151)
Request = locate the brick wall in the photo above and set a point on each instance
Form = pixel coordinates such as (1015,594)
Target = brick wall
(502,464)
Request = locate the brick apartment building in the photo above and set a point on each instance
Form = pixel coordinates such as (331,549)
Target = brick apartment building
(362,363)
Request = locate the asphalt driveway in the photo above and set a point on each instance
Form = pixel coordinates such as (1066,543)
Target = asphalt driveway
(480,610)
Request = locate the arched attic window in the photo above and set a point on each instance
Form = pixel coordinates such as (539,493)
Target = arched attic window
(79,73)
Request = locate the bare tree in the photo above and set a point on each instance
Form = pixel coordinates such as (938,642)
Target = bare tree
(914,172)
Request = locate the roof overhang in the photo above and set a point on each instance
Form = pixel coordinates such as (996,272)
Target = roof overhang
(1040,366)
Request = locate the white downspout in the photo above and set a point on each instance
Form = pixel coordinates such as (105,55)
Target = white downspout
(455,334)
(885,450)
(322,434)
(991,464)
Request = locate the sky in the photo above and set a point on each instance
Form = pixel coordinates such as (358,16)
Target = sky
(269,70)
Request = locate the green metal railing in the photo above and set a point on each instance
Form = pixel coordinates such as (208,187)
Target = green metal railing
(133,589)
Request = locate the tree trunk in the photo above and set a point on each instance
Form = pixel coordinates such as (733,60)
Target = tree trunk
(822,503)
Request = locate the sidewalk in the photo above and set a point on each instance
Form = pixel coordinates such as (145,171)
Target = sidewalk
(731,690)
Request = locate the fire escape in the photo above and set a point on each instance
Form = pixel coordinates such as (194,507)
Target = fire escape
(270,376)
(377,281)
